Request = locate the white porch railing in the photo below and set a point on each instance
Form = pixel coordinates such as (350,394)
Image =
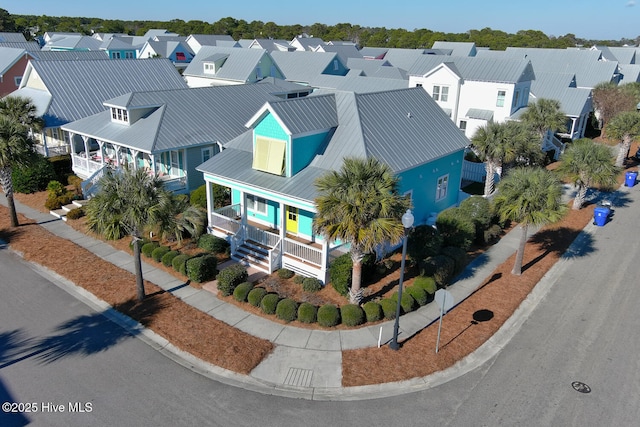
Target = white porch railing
(89,186)
(260,236)
(174,184)
(302,251)
(275,256)
(225,219)
(85,166)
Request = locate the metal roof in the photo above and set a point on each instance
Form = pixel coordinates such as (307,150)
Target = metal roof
(70,55)
(478,69)
(72,41)
(28,46)
(12,37)
(302,66)
(79,88)
(630,73)
(8,57)
(403,58)
(456,48)
(358,84)
(344,51)
(307,114)
(239,66)
(480,114)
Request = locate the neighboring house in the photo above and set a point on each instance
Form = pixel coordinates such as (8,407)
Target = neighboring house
(472,90)
(71,41)
(306,43)
(69,55)
(271,45)
(345,51)
(178,52)
(357,83)
(12,38)
(303,67)
(65,91)
(217,66)
(196,41)
(456,48)
(12,65)
(167,132)
(120,47)
(376,68)
(374,52)
(271,169)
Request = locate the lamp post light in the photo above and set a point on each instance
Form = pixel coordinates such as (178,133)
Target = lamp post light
(407,223)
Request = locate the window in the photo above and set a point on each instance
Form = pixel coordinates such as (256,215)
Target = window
(269,155)
(418,84)
(180,56)
(207,153)
(335,65)
(463,125)
(441,190)
(115,55)
(120,115)
(17,80)
(128,55)
(256,204)
(258,73)
(441,93)
(209,68)
(501,96)
(175,160)
(515,98)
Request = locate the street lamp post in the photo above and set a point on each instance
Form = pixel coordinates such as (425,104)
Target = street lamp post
(407,222)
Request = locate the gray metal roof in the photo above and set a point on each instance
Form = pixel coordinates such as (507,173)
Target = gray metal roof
(344,51)
(12,37)
(304,66)
(307,114)
(480,114)
(376,67)
(477,68)
(8,57)
(630,73)
(374,52)
(166,48)
(79,88)
(403,58)
(402,128)
(456,48)
(240,65)
(28,46)
(70,55)
(624,54)
(179,118)
(72,41)
(358,84)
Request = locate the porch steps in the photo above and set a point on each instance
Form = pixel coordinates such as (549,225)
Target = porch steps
(252,255)
(62,212)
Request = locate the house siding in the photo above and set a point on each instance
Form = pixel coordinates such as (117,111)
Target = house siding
(303,150)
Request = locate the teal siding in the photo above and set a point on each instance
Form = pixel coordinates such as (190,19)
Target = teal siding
(422,181)
(336,69)
(271,218)
(270,128)
(303,151)
(305,222)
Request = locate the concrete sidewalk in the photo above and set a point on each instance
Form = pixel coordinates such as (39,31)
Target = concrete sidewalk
(305,363)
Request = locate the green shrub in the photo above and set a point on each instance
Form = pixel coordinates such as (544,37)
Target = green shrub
(198,197)
(76,181)
(298,279)
(328,315)
(423,241)
(159,252)
(141,243)
(33,177)
(269,303)
(75,213)
(241,292)
(202,268)
(179,263)
(307,313)
(148,248)
(255,296)
(492,234)
(57,196)
(230,277)
(214,244)
(285,273)
(455,228)
(287,310)
(440,267)
(459,257)
(61,166)
(311,284)
(167,259)
(408,304)
(427,283)
(388,308)
(372,311)
(352,315)
(418,294)
(480,211)
(341,268)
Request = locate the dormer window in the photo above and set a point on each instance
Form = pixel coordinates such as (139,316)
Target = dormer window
(120,115)
(269,155)
(180,56)
(209,68)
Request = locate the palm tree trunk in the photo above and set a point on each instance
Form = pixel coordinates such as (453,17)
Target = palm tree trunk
(355,293)
(489,181)
(578,201)
(625,146)
(517,265)
(137,261)
(7,187)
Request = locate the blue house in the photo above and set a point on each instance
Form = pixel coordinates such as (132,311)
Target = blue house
(271,169)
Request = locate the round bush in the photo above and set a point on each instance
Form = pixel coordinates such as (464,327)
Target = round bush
(159,252)
(479,210)
(418,294)
(179,263)
(230,277)
(148,248)
(328,315)
(298,280)
(388,308)
(75,213)
(456,228)
(340,274)
(372,311)
(285,273)
(311,284)
(440,267)
(213,244)
(167,259)
(33,177)
(352,315)
(241,292)
(202,268)
(427,283)
(307,313)
(459,257)
(198,197)
(287,310)
(269,303)
(408,304)
(492,234)
(255,296)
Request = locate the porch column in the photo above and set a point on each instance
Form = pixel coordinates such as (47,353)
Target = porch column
(152,158)
(209,194)
(243,208)
(324,266)
(134,157)
(573,126)
(283,220)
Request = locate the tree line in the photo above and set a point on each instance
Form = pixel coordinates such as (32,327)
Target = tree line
(241,29)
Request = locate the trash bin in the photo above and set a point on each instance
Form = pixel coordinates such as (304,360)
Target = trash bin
(630,178)
(600,215)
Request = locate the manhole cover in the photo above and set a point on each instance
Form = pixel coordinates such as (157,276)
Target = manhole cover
(581,387)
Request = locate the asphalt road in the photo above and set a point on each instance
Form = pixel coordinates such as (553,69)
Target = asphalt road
(57,353)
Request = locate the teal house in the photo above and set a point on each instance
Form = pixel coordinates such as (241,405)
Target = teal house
(271,169)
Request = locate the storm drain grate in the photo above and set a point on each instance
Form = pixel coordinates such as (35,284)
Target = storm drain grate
(299,377)
(581,387)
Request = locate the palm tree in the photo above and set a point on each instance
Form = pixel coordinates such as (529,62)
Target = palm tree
(21,110)
(529,196)
(585,163)
(626,127)
(16,149)
(181,218)
(486,144)
(544,115)
(128,202)
(360,205)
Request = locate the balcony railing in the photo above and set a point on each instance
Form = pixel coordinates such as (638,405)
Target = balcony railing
(226,218)
(85,166)
(260,236)
(303,251)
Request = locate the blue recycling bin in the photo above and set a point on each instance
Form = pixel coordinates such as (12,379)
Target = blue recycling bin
(630,178)
(600,215)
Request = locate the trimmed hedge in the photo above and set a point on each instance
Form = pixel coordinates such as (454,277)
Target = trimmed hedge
(214,244)
(328,315)
(148,248)
(230,277)
(440,267)
(456,228)
(285,273)
(159,252)
(255,296)
(418,294)
(202,268)
(352,315)
(298,279)
(33,177)
(423,241)
(459,257)
(341,268)
(311,284)
(241,292)
(269,303)
(427,283)
(167,259)
(75,213)
(287,310)
(372,311)
(479,210)
(388,308)
(307,313)
(408,304)
(179,263)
